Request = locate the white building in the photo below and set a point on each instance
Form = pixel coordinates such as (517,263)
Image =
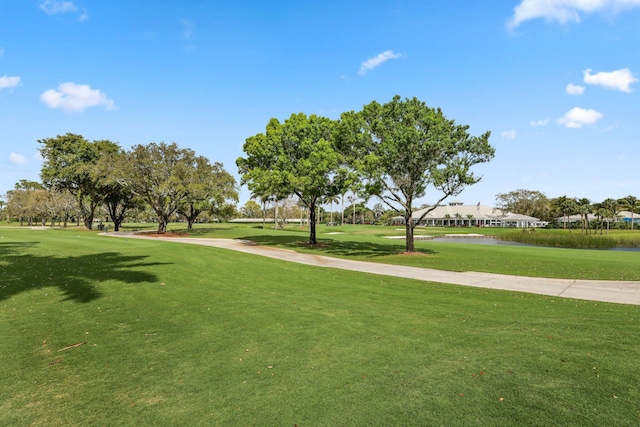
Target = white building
(457,214)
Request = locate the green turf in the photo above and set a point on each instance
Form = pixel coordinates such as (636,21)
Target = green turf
(188,335)
(368,243)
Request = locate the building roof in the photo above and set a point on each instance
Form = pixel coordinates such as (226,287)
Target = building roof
(450,211)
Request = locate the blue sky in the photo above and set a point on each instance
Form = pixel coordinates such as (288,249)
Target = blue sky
(555,81)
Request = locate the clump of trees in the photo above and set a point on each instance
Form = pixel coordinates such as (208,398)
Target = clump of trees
(80,176)
(593,216)
(394,151)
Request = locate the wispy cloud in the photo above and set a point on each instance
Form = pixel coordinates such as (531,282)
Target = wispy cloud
(188,29)
(17,159)
(1,52)
(9,82)
(377,60)
(539,123)
(578,117)
(509,134)
(618,80)
(55,7)
(574,89)
(74,97)
(58,7)
(564,11)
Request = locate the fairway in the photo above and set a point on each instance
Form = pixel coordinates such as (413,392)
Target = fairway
(101,331)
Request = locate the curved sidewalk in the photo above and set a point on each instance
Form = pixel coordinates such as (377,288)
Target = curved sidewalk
(594,290)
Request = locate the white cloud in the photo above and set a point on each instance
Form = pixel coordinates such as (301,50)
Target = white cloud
(377,60)
(9,82)
(54,7)
(539,123)
(618,80)
(509,134)
(565,11)
(1,52)
(575,89)
(578,117)
(17,159)
(57,7)
(74,97)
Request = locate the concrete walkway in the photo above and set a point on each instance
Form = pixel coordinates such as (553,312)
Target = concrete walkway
(594,290)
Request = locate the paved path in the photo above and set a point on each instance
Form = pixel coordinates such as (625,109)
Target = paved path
(595,290)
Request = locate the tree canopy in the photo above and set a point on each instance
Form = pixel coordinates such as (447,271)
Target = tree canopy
(169,178)
(404,147)
(525,202)
(295,157)
(209,188)
(69,164)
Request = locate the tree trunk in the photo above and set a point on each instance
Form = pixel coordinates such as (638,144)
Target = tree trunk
(312,225)
(87,215)
(162,223)
(409,245)
(264,215)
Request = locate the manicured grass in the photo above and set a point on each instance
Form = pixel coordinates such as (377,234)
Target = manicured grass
(189,335)
(367,243)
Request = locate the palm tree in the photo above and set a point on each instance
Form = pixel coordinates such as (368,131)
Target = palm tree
(584,208)
(331,200)
(265,198)
(632,204)
(565,206)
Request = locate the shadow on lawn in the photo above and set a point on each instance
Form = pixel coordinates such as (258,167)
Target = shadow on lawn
(75,276)
(335,247)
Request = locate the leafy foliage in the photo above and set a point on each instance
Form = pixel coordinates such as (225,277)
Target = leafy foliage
(69,162)
(172,179)
(403,147)
(295,157)
(525,202)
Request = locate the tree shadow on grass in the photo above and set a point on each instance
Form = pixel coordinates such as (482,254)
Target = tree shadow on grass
(75,276)
(338,248)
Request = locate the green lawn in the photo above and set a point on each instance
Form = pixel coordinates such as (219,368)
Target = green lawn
(368,243)
(189,335)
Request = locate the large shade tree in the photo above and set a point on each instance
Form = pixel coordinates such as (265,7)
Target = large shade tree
(69,163)
(404,147)
(525,202)
(158,173)
(171,179)
(209,189)
(296,157)
(118,199)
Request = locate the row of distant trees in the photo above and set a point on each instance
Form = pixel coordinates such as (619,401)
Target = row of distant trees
(329,211)
(393,151)
(81,178)
(536,204)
